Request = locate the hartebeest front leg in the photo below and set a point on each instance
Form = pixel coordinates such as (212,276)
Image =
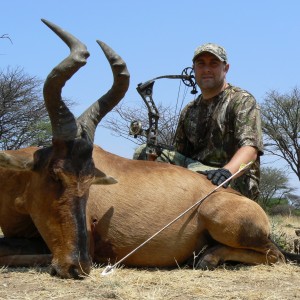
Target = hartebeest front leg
(24,252)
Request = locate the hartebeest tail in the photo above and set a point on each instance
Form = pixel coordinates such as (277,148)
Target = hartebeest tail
(293,257)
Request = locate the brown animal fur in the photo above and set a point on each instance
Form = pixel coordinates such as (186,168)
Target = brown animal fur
(128,215)
(51,201)
(122,216)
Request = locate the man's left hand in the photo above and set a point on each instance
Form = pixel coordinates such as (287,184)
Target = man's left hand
(218,176)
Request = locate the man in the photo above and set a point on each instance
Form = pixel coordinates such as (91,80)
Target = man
(220,130)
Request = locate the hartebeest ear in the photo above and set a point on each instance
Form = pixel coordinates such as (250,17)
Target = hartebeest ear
(16,161)
(102,178)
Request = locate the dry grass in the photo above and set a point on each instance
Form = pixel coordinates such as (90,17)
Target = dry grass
(239,282)
(259,282)
(286,223)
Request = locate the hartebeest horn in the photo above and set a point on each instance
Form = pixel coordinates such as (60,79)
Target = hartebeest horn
(64,125)
(93,115)
(62,120)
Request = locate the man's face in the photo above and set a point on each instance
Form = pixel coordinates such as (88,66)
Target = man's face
(210,72)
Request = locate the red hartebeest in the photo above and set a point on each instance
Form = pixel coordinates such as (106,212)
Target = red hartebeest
(56,204)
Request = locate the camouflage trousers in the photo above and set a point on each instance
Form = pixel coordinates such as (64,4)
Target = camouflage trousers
(247,184)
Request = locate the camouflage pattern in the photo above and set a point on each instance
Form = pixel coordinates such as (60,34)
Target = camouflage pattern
(210,132)
(174,158)
(215,49)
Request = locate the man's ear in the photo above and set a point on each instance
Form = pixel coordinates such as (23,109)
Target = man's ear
(102,178)
(227,66)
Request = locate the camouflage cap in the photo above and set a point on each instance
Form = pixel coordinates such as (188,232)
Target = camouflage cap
(214,49)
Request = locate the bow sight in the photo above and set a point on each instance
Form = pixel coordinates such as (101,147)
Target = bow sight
(153,148)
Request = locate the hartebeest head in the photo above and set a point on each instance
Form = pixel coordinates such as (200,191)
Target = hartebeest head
(64,172)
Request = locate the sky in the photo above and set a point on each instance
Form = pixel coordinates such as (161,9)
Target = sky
(158,37)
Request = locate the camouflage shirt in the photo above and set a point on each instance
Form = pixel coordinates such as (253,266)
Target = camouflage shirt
(212,131)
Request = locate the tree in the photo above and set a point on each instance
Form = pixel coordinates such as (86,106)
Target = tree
(273,185)
(294,200)
(23,116)
(5,36)
(281,127)
(121,116)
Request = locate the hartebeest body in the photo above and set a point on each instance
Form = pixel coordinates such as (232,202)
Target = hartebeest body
(57,205)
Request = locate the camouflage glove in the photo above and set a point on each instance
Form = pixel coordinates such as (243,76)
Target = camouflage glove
(218,176)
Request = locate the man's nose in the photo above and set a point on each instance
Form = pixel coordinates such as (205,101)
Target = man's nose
(206,68)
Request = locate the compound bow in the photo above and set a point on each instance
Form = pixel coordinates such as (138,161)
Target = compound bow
(153,148)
